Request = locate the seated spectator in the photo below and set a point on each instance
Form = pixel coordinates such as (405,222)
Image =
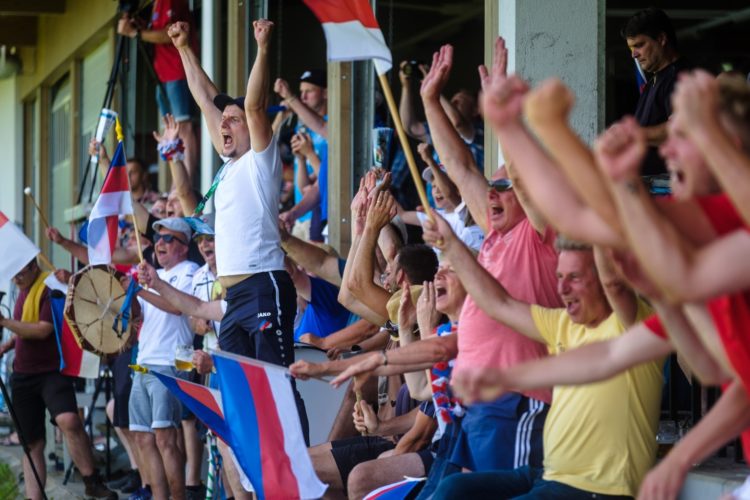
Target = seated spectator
(584,429)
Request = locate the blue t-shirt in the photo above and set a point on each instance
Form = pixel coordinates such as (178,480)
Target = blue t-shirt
(320,145)
(324,314)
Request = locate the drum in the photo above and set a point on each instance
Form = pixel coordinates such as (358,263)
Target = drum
(93,310)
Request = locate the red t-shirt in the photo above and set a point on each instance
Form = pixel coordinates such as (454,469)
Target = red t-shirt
(167,62)
(36,356)
(730,313)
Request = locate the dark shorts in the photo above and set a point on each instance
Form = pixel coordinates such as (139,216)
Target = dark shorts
(259,320)
(123,381)
(259,324)
(181,103)
(503,434)
(525,483)
(348,453)
(33,393)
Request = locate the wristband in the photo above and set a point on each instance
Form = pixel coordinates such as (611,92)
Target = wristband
(171,150)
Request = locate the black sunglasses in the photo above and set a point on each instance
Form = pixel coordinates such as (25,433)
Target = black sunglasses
(501,185)
(168,238)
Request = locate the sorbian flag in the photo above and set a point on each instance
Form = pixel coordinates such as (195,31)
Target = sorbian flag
(352,32)
(264,427)
(113,201)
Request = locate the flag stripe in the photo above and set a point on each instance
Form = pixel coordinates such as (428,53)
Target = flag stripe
(205,412)
(339,11)
(275,466)
(352,41)
(201,395)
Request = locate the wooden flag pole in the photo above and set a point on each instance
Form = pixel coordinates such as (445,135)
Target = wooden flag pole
(120,137)
(405,144)
(46,261)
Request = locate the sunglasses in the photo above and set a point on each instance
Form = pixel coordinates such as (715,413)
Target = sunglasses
(202,237)
(168,238)
(501,185)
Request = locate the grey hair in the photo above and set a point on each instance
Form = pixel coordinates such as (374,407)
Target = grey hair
(564,243)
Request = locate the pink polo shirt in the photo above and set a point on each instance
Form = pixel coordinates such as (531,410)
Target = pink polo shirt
(525,263)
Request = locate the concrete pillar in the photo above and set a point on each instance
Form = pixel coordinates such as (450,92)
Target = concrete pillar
(564,39)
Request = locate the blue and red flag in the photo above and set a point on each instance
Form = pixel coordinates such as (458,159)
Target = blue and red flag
(264,428)
(114,200)
(203,401)
(640,76)
(74,361)
(395,491)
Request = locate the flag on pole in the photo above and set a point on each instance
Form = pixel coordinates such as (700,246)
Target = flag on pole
(265,431)
(17,249)
(352,32)
(74,361)
(113,201)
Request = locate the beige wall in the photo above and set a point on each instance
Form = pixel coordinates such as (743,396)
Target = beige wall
(62,37)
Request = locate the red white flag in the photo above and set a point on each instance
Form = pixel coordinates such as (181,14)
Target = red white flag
(113,201)
(352,32)
(17,249)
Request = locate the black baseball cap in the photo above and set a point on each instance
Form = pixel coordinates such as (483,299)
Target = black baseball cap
(221,101)
(315,76)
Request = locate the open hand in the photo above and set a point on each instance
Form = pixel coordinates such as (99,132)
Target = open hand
(171,130)
(381,211)
(436,78)
(502,96)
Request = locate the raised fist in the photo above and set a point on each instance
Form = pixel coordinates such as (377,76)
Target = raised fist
(178,32)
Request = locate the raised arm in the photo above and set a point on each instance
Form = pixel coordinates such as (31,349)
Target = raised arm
(201,86)
(311,257)
(696,105)
(413,127)
(361,283)
(170,148)
(620,296)
(485,290)
(547,108)
(547,187)
(308,116)
(682,271)
(173,300)
(456,157)
(77,250)
(256,98)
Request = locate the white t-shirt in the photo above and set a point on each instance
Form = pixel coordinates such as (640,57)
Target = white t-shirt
(247,212)
(201,287)
(472,236)
(162,332)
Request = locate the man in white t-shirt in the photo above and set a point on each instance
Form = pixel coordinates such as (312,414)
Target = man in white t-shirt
(260,295)
(155,415)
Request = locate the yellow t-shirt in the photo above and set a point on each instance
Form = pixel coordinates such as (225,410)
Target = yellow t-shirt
(599,437)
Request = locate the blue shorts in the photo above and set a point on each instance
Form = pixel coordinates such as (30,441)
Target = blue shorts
(152,405)
(181,104)
(503,434)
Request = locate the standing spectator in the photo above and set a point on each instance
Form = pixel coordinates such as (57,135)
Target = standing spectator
(169,70)
(310,147)
(653,44)
(37,385)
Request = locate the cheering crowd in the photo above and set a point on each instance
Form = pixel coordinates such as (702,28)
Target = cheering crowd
(506,342)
